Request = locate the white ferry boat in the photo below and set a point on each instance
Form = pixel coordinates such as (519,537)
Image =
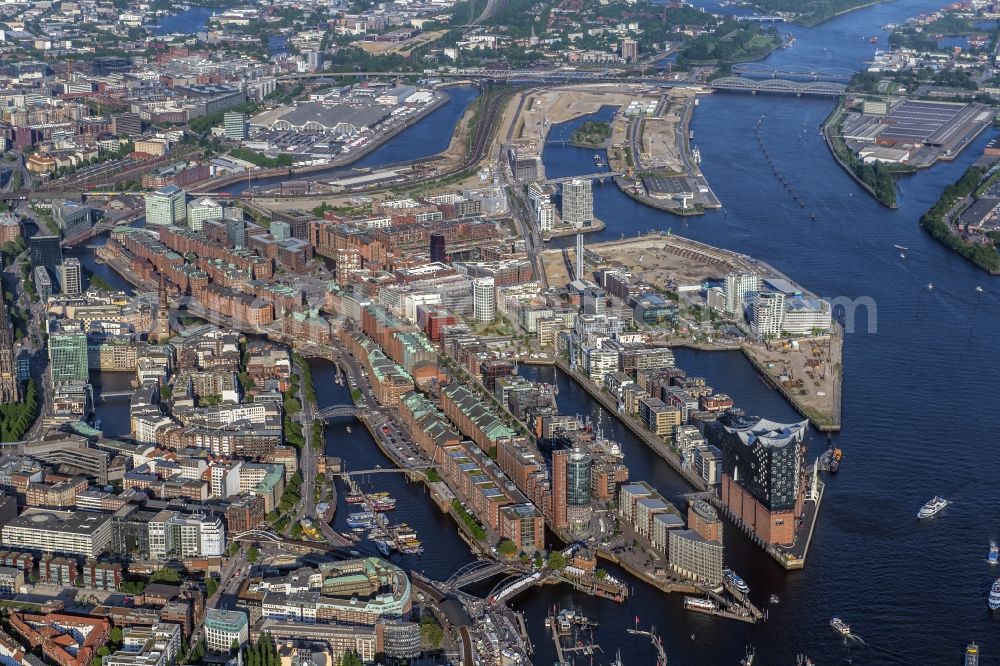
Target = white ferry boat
(932,508)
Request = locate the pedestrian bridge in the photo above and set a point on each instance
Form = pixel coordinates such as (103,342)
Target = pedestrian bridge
(779,86)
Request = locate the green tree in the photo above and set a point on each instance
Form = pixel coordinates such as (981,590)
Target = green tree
(507,548)
(165,575)
(351,659)
(431,633)
(556,560)
(253,554)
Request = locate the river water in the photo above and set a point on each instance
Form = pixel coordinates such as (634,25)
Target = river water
(919,401)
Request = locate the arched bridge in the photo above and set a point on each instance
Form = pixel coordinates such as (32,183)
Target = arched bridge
(337,411)
(761,70)
(478,571)
(779,86)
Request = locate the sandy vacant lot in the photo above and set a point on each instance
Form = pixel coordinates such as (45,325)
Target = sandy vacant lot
(402,48)
(544,109)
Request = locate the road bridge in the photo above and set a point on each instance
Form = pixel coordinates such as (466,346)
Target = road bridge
(600,176)
(779,86)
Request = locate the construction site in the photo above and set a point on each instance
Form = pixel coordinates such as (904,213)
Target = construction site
(652,149)
(806,370)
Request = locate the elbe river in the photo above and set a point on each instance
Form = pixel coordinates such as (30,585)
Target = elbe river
(920,401)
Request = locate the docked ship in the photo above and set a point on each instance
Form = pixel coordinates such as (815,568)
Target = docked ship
(932,508)
(699,604)
(972,655)
(383,547)
(361,520)
(994,552)
(840,626)
(735,581)
(598,160)
(386,503)
(994,598)
(355,498)
(835,456)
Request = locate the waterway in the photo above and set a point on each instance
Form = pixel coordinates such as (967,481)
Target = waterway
(428,136)
(910,590)
(195,19)
(918,408)
(187,22)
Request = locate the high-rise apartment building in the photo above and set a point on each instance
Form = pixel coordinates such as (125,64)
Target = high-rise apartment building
(484,299)
(577,203)
(767,313)
(71,276)
(738,286)
(630,49)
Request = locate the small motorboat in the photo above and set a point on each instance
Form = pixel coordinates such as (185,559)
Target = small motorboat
(994,552)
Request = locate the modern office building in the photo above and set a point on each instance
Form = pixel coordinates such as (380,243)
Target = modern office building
(806,316)
(438,250)
(225,627)
(82,533)
(68,351)
(281,230)
(72,217)
(45,251)
(763,473)
(525,162)
(172,535)
(236,230)
(484,299)
(594,301)
(71,277)
(737,288)
(234,124)
(577,203)
(166,206)
(201,210)
(126,124)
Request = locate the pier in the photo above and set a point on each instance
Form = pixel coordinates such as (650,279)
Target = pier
(661,654)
